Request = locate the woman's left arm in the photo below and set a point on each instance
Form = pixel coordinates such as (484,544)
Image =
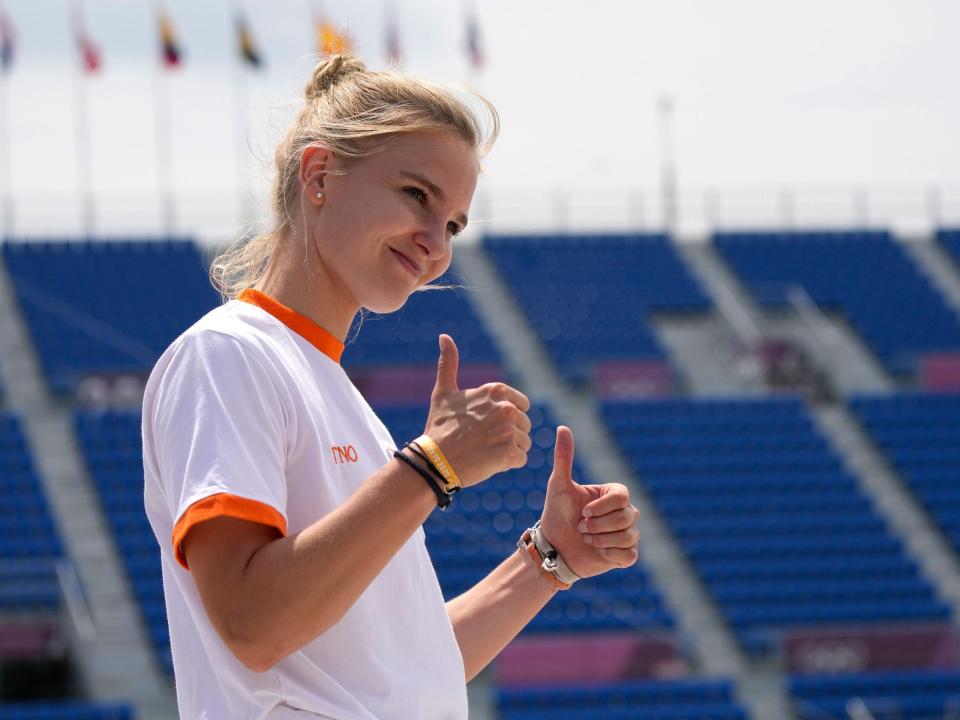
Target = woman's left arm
(491,613)
(592,527)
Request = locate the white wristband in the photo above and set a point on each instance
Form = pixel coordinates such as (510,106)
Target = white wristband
(552,562)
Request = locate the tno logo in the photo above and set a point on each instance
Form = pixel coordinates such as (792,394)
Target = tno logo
(344,454)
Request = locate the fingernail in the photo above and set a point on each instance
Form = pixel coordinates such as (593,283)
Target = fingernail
(582,527)
(587,512)
(588,539)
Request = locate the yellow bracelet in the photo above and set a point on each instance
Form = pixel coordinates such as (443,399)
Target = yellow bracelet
(439,460)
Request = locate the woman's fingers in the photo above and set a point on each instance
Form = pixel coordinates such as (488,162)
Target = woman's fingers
(614,497)
(620,539)
(621,557)
(617,520)
(523,421)
(502,391)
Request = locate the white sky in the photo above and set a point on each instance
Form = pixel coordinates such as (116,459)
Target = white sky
(821,94)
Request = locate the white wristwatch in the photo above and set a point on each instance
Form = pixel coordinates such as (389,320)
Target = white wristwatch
(535,544)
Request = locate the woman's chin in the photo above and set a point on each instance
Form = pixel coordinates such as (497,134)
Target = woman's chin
(387,305)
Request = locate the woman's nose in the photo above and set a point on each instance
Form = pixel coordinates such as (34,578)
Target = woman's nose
(433,241)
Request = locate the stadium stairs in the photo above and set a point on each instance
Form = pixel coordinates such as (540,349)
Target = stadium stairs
(827,340)
(893,500)
(713,649)
(860,455)
(935,262)
(115,662)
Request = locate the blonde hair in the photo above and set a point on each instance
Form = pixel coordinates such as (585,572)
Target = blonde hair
(354,112)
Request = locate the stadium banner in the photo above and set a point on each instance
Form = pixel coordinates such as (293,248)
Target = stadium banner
(413,384)
(627,379)
(940,372)
(589,657)
(30,641)
(855,649)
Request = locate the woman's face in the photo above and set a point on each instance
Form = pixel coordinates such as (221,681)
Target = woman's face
(384,226)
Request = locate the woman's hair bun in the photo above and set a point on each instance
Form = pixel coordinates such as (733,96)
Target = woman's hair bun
(329,72)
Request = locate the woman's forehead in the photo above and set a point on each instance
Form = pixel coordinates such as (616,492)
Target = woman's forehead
(431,157)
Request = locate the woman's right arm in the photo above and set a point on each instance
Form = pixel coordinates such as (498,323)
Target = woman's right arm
(269,596)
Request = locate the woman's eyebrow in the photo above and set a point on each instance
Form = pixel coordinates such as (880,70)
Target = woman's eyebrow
(433,188)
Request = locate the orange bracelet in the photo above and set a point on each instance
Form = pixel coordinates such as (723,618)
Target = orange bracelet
(439,462)
(526,543)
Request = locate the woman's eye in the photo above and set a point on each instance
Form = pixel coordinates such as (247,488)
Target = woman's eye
(454,229)
(416,193)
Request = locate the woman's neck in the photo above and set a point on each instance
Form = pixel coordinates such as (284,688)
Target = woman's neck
(313,297)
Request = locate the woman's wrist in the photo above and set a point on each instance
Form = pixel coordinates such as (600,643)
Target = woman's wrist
(409,465)
(532,562)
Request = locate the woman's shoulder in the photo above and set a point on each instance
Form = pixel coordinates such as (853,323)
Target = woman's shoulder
(225,332)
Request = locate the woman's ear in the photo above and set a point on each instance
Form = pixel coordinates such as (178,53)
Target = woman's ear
(313,172)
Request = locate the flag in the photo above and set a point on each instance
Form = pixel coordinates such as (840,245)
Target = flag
(89,52)
(8,40)
(474,51)
(248,50)
(331,40)
(394,54)
(169,48)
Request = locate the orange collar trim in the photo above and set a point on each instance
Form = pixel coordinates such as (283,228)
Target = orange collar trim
(300,324)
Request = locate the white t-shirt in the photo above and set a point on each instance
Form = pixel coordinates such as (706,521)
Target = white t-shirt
(249,414)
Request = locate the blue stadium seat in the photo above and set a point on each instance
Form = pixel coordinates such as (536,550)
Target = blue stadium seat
(920,434)
(777,529)
(949,239)
(65,710)
(865,275)
(92,306)
(904,695)
(625,700)
(111,445)
(591,298)
(30,546)
(409,336)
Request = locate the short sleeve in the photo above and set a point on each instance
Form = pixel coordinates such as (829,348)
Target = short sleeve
(220,435)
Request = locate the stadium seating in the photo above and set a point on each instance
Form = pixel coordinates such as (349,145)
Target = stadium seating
(776,528)
(106,307)
(920,435)
(633,700)
(30,545)
(111,445)
(949,239)
(409,336)
(863,274)
(909,695)
(590,298)
(65,710)
(480,530)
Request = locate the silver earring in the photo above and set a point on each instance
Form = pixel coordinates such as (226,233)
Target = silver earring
(319,195)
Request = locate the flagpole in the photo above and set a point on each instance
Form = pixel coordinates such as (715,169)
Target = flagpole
(6,161)
(241,104)
(82,132)
(161,101)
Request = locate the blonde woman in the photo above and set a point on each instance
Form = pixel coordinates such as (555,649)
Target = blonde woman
(296,577)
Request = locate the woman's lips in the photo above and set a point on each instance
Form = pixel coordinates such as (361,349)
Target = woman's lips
(407,263)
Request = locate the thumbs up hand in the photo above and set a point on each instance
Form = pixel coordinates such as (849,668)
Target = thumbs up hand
(593,527)
(481,431)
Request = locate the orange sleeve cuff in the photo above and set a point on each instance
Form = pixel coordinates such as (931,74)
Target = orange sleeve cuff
(224,505)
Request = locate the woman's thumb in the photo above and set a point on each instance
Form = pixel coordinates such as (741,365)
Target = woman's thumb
(562,458)
(447,367)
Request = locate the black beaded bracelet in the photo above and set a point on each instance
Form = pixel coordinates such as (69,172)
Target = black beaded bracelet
(443,499)
(415,449)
